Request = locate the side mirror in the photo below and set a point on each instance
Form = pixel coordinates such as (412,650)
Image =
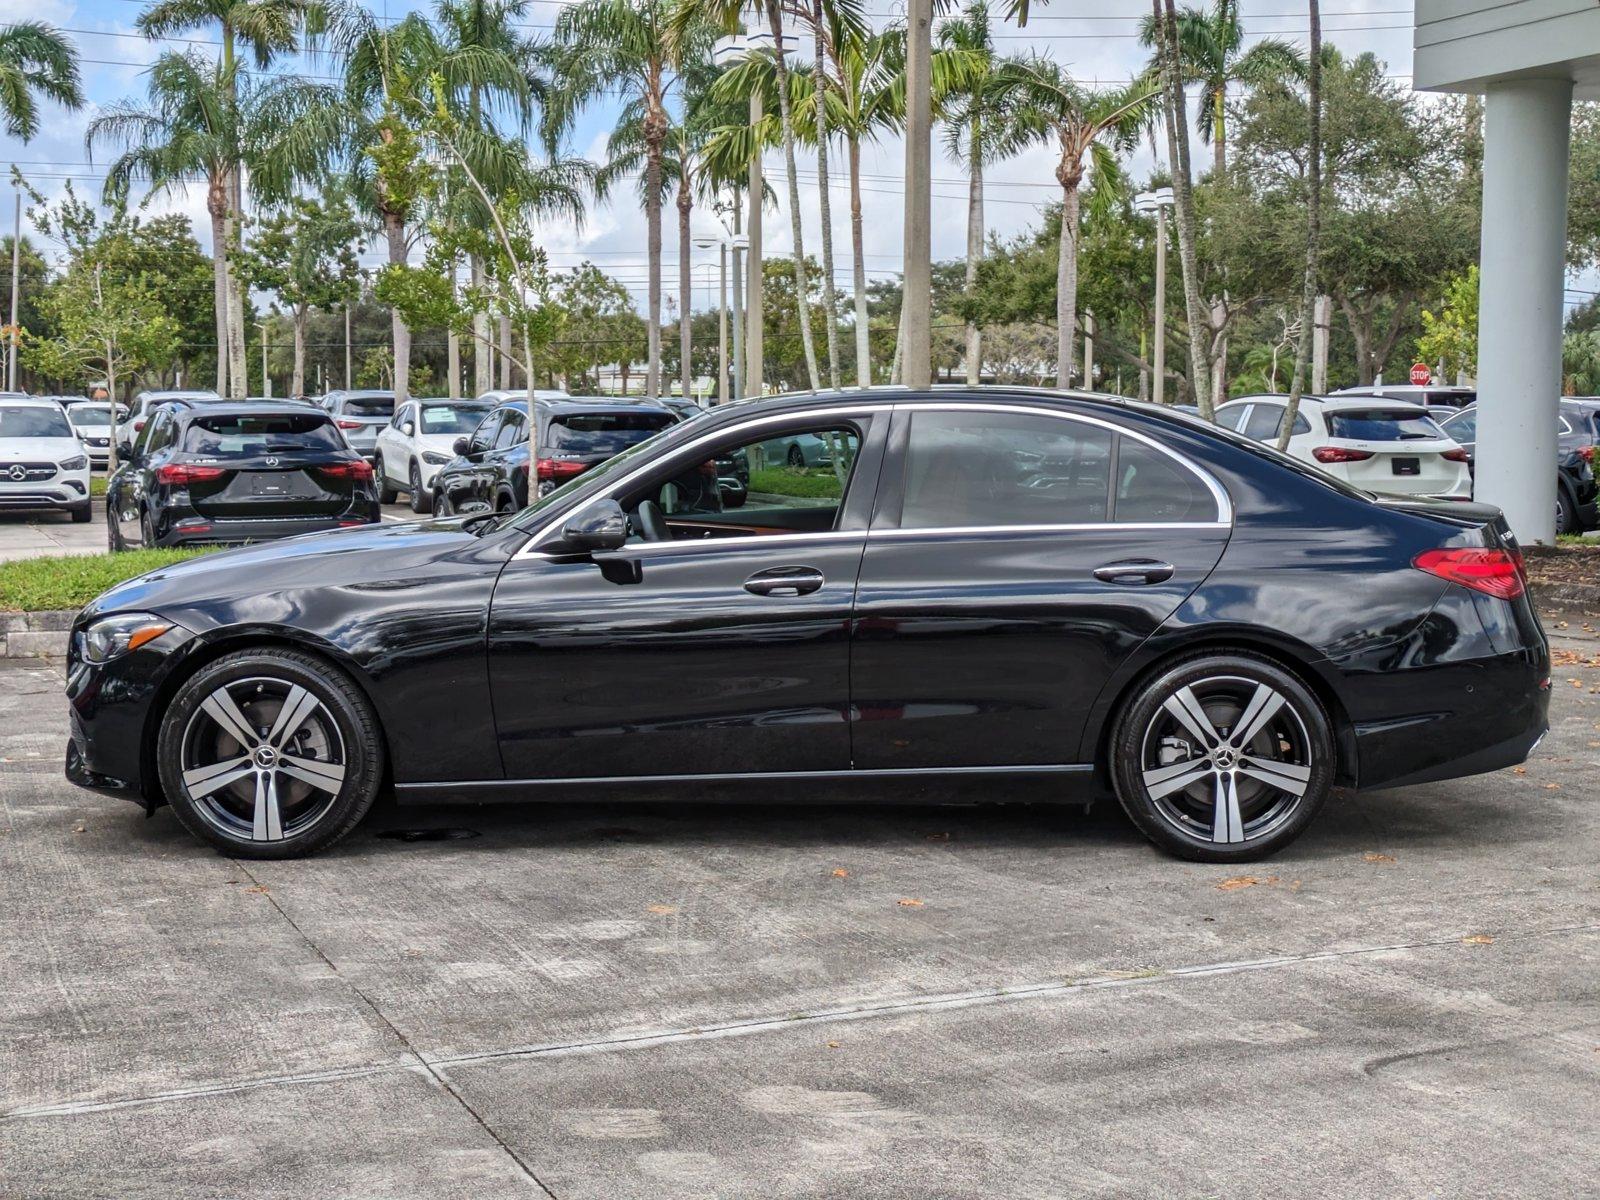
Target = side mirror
(408,429)
(601,526)
(462,446)
(124,449)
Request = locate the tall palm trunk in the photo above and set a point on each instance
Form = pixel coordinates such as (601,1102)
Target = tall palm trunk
(1308,294)
(1071,175)
(505,352)
(217,207)
(482,348)
(685,286)
(974,245)
(234,300)
(394,230)
(786,123)
(830,299)
(1219,135)
(654,131)
(297,384)
(859,269)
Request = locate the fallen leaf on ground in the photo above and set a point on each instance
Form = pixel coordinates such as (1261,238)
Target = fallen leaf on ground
(79,827)
(1479,939)
(258,890)
(1244,881)
(1373,856)
(840,873)
(1519,770)
(909,903)
(833,1045)
(1552,787)
(661,910)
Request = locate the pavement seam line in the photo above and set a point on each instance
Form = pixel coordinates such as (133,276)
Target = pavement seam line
(421,1061)
(866,1010)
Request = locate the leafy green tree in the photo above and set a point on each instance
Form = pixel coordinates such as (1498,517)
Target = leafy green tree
(600,326)
(305,252)
(35,61)
(1450,339)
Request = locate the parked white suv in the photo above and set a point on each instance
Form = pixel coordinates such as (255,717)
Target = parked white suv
(137,413)
(43,464)
(418,441)
(1372,443)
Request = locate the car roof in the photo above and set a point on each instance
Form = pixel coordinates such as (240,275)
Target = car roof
(248,408)
(1335,402)
(31,401)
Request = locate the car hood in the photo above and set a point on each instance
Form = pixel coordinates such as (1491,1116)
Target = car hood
(275,583)
(37,449)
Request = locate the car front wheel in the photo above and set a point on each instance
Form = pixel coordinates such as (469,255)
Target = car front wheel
(419,498)
(270,754)
(1222,757)
(386,492)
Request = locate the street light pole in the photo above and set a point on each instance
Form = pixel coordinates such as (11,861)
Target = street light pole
(916,302)
(16,284)
(1158,202)
(739,244)
(266,380)
(753,288)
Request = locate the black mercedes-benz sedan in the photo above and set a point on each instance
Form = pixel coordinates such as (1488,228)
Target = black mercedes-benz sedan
(985,583)
(236,472)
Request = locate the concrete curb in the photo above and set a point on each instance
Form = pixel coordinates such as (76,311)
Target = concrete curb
(35,634)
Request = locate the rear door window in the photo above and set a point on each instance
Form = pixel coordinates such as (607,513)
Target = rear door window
(226,436)
(1232,418)
(602,432)
(1382,425)
(1264,422)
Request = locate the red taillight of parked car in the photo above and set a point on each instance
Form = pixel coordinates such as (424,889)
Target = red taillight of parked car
(349,424)
(1339,454)
(358,468)
(1456,455)
(555,468)
(174,474)
(1493,572)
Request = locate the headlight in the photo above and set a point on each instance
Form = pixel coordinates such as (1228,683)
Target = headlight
(434,458)
(76,463)
(113,636)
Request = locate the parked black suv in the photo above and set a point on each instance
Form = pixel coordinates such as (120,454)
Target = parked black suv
(491,468)
(1577,432)
(231,472)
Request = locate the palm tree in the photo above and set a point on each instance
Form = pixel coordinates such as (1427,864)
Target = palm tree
(622,48)
(980,126)
(1085,124)
(1211,53)
(265,29)
(188,127)
(35,61)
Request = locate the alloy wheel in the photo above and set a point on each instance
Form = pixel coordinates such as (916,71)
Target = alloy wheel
(1226,760)
(262,759)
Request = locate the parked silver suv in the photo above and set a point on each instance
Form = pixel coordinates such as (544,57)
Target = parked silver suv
(359,416)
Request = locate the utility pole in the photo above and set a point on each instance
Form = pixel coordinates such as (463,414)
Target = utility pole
(1088,350)
(348,374)
(916,302)
(16,284)
(266,380)
(1158,202)
(754,368)
(739,243)
(1322,312)
(722,324)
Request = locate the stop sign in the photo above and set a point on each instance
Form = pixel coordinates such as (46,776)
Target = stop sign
(1420,375)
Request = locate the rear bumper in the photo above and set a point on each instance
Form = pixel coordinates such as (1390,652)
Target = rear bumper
(194,530)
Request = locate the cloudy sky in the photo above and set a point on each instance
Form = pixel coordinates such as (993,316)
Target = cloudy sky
(1098,41)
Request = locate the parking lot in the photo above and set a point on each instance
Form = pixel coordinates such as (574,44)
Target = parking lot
(614,1000)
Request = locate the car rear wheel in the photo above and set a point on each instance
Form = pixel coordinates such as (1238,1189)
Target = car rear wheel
(1566,512)
(386,490)
(1222,758)
(419,498)
(797,458)
(270,754)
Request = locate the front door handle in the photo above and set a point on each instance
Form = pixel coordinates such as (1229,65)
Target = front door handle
(785,581)
(1134,571)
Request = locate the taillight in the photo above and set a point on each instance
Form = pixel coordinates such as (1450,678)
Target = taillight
(358,468)
(555,468)
(1456,455)
(1339,454)
(1493,572)
(182,473)
(348,424)
(1587,454)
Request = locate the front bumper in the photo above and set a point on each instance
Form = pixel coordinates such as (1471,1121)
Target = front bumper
(64,491)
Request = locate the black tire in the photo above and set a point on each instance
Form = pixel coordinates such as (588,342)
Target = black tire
(504,504)
(1566,512)
(113,534)
(386,490)
(441,504)
(83,513)
(797,458)
(1293,748)
(147,527)
(419,498)
(324,816)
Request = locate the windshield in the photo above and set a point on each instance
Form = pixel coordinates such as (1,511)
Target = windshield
(247,435)
(1382,425)
(602,433)
(452,418)
(20,421)
(83,415)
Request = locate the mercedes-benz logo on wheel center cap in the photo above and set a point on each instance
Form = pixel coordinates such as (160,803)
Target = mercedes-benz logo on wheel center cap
(19,472)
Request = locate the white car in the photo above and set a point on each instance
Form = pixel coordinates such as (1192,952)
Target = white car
(418,441)
(91,420)
(42,462)
(135,417)
(1376,444)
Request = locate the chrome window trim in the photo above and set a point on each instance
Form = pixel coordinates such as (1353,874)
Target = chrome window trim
(1223,520)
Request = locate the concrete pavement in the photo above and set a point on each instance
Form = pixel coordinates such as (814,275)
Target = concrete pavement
(614,1000)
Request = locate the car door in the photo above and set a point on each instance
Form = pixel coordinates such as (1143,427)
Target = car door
(1016,558)
(130,492)
(393,450)
(461,481)
(495,480)
(722,649)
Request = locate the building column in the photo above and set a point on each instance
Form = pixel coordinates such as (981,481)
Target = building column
(1520,312)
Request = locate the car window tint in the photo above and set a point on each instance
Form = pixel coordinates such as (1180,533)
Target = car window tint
(1301,425)
(483,435)
(751,478)
(1152,486)
(1264,421)
(451,419)
(1463,428)
(605,433)
(160,432)
(974,469)
(368,406)
(28,420)
(1230,418)
(247,435)
(1382,425)
(511,432)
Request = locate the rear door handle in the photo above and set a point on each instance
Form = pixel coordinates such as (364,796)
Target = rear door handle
(785,581)
(1134,571)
